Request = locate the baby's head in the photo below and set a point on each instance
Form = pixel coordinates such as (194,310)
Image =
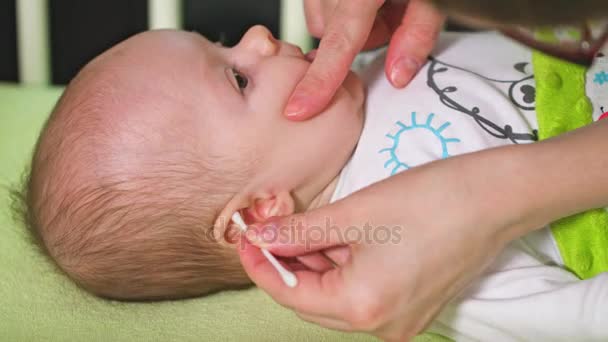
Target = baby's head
(159,140)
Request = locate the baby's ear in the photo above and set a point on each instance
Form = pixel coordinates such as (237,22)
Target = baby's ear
(262,208)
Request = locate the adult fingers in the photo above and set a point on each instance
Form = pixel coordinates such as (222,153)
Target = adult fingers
(315,293)
(344,36)
(317,262)
(388,19)
(315,11)
(293,264)
(412,42)
(338,255)
(379,35)
(303,233)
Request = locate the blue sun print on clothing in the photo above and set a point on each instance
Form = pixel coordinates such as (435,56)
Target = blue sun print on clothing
(409,136)
(601,78)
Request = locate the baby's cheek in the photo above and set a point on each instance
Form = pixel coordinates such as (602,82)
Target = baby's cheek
(278,79)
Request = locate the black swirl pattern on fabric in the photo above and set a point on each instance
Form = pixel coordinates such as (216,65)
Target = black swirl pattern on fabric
(526,91)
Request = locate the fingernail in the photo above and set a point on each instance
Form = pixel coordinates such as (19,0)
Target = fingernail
(403,71)
(295,107)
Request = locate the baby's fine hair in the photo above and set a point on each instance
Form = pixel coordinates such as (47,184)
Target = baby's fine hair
(125,235)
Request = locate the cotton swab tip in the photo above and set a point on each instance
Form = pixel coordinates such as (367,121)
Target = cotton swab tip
(238,220)
(288,277)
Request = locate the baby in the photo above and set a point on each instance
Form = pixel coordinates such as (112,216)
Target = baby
(159,140)
(158,136)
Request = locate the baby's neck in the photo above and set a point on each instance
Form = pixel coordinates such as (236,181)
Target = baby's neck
(311,198)
(324,197)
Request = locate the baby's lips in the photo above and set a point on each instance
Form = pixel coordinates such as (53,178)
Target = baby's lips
(310,56)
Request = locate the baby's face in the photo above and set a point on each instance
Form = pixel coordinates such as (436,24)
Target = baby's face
(229,102)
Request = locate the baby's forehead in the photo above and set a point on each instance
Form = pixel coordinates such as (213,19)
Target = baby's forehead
(158,56)
(146,97)
(157,68)
(171,68)
(165,43)
(133,116)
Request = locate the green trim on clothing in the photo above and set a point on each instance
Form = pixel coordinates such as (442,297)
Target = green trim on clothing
(562,106)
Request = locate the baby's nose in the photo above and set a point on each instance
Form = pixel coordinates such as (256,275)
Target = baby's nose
(260,39)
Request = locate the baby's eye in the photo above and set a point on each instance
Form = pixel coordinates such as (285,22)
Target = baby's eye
(241,80)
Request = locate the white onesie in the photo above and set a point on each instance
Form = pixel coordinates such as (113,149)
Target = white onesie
(477,91)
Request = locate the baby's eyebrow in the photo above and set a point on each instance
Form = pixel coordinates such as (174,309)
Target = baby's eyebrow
(216,57)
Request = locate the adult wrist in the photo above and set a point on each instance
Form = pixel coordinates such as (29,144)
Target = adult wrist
(565,175)
(505,193)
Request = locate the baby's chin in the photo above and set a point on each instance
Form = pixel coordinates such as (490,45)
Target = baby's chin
(354,87)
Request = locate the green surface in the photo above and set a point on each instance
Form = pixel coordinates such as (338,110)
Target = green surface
(37,303)
(563,106)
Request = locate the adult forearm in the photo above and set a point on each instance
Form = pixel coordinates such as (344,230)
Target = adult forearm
(566,175)
(519,188)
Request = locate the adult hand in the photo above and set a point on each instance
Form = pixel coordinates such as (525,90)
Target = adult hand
(347,26)
(443,229)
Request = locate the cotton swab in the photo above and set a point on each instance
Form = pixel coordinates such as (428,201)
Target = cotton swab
(289,278)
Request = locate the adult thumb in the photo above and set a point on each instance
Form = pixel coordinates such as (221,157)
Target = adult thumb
(306,232)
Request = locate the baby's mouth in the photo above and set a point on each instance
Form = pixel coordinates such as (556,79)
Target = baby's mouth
(352,82)
(310,56)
